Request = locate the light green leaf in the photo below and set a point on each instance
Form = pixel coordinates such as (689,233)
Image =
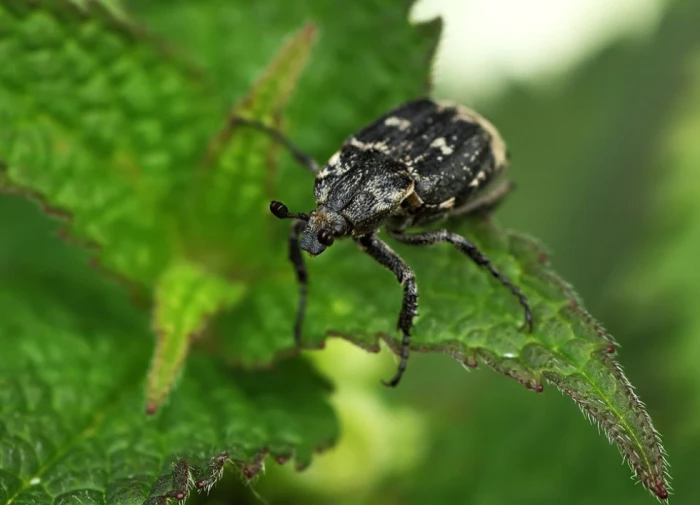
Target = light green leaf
(235,183)
(186,297)
(229,190)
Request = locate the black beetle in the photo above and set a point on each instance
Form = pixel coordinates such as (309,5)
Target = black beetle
(423,161)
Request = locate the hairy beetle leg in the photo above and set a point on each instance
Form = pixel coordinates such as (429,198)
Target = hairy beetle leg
(527,325)
(386,257)
(297,260)
(469,249)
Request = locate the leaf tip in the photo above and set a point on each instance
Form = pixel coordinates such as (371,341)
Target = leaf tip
(152,408)
(281,460)
(309,31)
(660,490)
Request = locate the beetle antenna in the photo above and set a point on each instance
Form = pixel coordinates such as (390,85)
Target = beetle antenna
(281,211)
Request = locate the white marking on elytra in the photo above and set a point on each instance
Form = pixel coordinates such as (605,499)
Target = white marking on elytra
(441,143)
(331,167)
(447,204)
(364,146)
(481,176)
(462,113)
(399,122)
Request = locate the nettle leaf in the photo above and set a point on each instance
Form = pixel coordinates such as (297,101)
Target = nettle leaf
(235,184)
(187,295)
(368,59)
(466,314)
(71,420)
(100,124)
(107,131)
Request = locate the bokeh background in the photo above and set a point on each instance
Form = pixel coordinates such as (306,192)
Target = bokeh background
(599,101)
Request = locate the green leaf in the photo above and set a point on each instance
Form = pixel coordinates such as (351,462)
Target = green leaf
(107,129)
(186,297)
(71,420)
(368,59)
(467,315)
(229,190)
(235,183)
(104,125)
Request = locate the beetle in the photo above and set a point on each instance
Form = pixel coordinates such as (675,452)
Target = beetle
(422,162)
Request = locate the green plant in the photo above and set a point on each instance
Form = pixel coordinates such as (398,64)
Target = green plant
(127,142)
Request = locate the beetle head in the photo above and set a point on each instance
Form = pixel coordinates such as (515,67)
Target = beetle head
(323,226)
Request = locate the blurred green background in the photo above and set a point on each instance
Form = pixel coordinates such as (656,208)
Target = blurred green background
(606,154)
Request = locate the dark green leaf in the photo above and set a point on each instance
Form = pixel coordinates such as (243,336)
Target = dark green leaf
(72,425)
(104,125)
(469,316)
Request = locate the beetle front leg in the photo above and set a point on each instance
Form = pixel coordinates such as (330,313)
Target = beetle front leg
(466,247)
(302,277)
(386,257)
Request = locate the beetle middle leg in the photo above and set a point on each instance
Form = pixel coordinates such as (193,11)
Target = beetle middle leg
(386,257)
(469,249)
(302,158)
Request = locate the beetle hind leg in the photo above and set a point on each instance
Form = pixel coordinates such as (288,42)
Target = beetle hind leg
(470,250)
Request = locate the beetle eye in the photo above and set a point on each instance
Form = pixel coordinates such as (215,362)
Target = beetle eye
(325,237)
